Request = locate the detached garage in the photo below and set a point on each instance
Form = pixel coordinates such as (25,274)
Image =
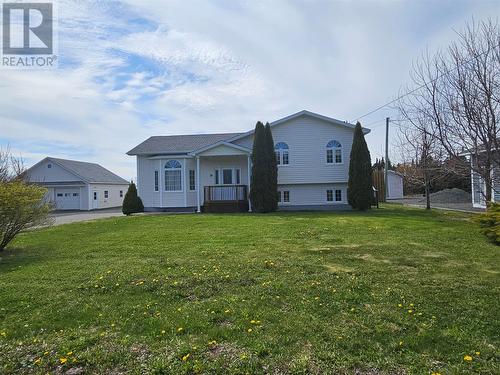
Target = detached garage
(77,185)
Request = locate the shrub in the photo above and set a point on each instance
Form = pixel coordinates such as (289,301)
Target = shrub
(132,203)
(360,184)
(22,206)
(264,185)
(490,223)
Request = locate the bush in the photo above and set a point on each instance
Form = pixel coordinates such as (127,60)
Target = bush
(360,184)
(22,206)
(132,203)
(264,183)
(490,223)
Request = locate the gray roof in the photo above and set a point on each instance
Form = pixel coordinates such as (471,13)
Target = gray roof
(89,172)
(178,144)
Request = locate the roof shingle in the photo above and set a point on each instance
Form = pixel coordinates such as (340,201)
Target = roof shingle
(89,172)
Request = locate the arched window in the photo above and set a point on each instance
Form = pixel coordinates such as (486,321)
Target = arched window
(173,175)
(334,152)
(281,150)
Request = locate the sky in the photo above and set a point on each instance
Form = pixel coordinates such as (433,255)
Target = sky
(131,69)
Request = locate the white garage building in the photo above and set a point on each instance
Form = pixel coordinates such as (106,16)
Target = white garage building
(395,185)
(77,185)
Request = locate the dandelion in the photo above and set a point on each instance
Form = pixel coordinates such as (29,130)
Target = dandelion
(38,361)
(113,324)
(3,334)
(213,342)
(467,358)
(185,358)
(45,353)
(478,353)
(69,353)
(226,311)
(63,360)
(436,373)
(163,332)
(410,311)
(249,330)
(180,329)
(400,305)
(401,343)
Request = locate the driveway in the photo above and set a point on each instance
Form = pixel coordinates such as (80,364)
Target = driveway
(66,217)
(416,202)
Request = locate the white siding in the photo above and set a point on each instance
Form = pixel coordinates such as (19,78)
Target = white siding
(42,173)
(113,200)
(307,138)
(312,194)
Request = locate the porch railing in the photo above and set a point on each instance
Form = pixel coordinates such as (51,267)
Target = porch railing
(225,193)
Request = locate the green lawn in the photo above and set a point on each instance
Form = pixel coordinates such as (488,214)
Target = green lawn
(394,290)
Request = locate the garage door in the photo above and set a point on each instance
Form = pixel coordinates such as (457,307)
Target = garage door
(67,199)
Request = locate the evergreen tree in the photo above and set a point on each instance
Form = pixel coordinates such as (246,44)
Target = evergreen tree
(360,185)
(259,178)
(272,185)
(131,202)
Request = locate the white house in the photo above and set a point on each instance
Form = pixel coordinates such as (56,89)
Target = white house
(77,185)
(394,185)
(192,172)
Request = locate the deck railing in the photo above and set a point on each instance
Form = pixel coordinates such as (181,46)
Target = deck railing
(224,193)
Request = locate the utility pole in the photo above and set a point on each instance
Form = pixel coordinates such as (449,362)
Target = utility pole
(386,165)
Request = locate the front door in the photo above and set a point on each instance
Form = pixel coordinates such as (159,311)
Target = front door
(95,199)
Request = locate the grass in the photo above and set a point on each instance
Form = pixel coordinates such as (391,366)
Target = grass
(394,290)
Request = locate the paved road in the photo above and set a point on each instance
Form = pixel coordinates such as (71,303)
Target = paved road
(65,217)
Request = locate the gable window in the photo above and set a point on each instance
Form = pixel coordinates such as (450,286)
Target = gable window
(329,195)
(192,180)
(334,152)
(156,181)
(49,165)
(173,175)
(282,153)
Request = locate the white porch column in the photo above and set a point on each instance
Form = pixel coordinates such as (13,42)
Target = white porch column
(161,177)
(198,200)
(249,173)
(184,185)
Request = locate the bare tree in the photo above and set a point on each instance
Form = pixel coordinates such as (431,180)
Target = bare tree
(11,167)
(455,98)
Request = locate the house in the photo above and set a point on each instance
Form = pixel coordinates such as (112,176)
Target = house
(77,185)
(478,188)
(212,171)
(394,185)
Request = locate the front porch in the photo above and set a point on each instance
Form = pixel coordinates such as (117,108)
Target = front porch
(225,198)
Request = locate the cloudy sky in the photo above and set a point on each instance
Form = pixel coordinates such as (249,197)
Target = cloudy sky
(136,68)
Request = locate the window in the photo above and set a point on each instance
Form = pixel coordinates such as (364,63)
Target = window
(121,193)
(334,152)
(156,181)
(238,177)
(281,150)
(173,176)
(286,196)
(216,177)
(338,195)
(192,180)
(76,194)
(106,194)
(49,165)
(67,194)
(95,195)
(329,195)
(279,196)
(59,194)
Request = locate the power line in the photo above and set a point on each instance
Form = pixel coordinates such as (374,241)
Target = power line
(423,85)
